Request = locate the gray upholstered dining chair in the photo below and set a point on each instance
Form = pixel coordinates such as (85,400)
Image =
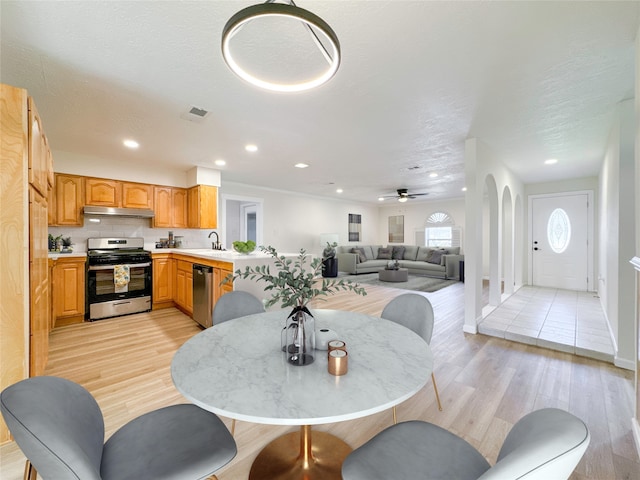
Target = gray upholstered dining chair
(545,444)
(59,427)
(233,305)
(416,313)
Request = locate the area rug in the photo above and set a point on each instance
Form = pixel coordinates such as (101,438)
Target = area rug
(417,283)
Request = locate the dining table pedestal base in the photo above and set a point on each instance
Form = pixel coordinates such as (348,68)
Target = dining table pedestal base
(301,455)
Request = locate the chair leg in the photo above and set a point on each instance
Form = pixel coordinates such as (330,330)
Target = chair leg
(395,418)
(435,389)
(233,426)
(29,471)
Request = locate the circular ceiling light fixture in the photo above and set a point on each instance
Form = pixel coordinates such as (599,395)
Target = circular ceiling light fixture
(132,144)
(313,24)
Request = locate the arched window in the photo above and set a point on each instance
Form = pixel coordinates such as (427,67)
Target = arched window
(440,231)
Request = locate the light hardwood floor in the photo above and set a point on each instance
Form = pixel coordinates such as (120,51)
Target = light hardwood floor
(486,384)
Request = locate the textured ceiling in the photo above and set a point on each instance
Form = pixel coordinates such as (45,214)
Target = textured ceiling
(533,80)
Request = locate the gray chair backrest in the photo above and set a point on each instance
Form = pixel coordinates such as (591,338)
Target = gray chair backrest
(544,444)
(235,304)
(58,425)
(413,311)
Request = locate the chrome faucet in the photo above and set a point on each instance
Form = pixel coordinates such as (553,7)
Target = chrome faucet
(215,245)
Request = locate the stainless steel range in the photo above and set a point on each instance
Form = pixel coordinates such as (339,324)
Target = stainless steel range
(118,277)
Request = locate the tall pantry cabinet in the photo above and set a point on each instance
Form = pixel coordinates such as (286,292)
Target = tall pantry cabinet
(26,176)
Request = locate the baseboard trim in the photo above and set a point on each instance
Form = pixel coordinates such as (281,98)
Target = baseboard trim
(473,329)
(624,363)
(635,427)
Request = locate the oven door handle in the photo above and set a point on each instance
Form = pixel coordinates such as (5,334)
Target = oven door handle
(110,267)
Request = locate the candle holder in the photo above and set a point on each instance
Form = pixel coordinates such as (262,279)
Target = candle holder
(338,362)
(336,345)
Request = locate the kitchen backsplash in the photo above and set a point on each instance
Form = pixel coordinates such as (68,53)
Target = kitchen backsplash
(131,227)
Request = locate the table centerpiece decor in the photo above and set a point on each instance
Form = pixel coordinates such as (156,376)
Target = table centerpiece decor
(295,284)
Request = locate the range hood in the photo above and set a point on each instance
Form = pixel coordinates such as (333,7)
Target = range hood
(119,212)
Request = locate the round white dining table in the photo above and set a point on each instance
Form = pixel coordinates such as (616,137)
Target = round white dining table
(237,369)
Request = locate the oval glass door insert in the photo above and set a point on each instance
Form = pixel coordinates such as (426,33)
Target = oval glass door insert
(559,230)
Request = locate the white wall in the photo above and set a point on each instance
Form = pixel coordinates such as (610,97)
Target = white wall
(485,170)
(292,221)
(415,217)
(71,163)
(617,209)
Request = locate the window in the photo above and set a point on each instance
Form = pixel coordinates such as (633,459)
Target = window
(438,236)
(558,230)
(441,232)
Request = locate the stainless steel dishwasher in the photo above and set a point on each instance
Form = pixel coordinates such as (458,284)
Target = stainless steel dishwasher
(203,295)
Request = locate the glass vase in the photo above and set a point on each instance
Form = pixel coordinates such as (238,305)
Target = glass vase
(299,338)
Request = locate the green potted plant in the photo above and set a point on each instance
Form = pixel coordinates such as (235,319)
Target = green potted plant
(295,284)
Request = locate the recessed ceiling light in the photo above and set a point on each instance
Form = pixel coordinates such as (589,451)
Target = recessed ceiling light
(130,143)
(251,148)
(433,175)
(220,162)
(381,199)
(301,165)
(464,189)
(339,190)
(551,161)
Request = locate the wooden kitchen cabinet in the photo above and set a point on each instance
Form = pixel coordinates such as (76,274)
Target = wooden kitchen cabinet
(137,195)
(68,290)
(69,195)
(170,207)
(219,274)
(163,275)
(179,205)
(38,283)
(38,152)
(51,205)
(102,192)
(203,207)
(183,295)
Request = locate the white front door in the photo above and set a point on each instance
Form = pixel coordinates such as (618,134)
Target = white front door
(560,238)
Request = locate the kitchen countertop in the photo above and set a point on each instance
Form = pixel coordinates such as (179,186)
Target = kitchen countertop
(57,255)
(223,255)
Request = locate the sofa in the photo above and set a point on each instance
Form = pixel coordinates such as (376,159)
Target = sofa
(435,262)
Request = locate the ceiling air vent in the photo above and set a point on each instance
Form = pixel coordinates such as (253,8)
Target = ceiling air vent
(195,114)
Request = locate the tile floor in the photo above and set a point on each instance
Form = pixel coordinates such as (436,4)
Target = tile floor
(557,319)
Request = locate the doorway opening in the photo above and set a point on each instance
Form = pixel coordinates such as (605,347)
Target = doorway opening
(241,219)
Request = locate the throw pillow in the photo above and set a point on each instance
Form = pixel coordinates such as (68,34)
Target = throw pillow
(384,254)
(360,251)
(397,253)
(436,256)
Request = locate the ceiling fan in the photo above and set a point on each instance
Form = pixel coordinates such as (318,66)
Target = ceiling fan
(403,195)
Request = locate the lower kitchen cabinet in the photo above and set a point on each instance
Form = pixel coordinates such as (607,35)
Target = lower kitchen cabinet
(183,295)
(219,274)
(163,279)
(173,280)
(68,289)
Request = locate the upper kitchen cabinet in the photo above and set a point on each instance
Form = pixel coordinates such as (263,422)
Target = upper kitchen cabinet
(102,192)
(68,194)
(114,193)
(170,207)
(39,154)
(137,195)
(203,207)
